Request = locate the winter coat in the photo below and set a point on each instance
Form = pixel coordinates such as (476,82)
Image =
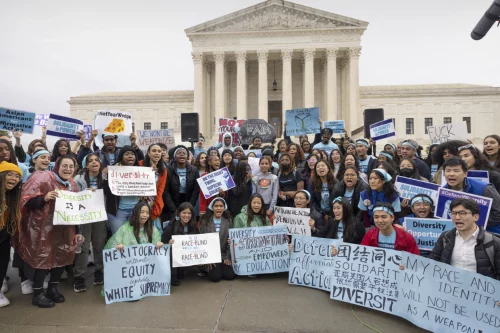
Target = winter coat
(340,188)
(241,220)
(172,195)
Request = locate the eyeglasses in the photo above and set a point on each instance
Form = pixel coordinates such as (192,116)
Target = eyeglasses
(64,166)
(461,213)
(421,204)
(350,175)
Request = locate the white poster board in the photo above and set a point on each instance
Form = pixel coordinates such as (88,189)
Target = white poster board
(132,181)
(190,250)
(75,208)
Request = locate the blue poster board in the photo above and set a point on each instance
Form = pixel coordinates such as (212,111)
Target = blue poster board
(302,121)
(446,196)
(15,120)
(426,231)
(337,126)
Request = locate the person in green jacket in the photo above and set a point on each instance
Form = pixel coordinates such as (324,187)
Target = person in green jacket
(253,214)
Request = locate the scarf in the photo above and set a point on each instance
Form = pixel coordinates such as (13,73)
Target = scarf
(65,183)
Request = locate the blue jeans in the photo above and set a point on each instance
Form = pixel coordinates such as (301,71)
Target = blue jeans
(122,216)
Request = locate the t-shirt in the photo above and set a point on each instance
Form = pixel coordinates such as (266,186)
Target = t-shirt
(325,197)
(111,158)
(289,182)
(434,169)
(93,182)
(182,179)
(363,164)
(128,202)
(217,223)
(348,195)
(186,229)
(340,231)
(328,147)
(387,242)
(492,163)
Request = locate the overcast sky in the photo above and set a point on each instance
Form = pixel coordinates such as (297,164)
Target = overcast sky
(54,49)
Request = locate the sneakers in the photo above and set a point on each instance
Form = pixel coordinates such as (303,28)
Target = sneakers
(42,301)
(98,278)
(4,301)
(5,286)
(27,287)
(79,285)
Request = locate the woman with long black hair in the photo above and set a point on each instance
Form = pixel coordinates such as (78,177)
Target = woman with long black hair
(239,195)
(476,160)
(343,225)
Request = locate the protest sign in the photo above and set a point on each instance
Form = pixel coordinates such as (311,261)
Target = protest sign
(253,162)
(113,123)
(257,152)
(63,127)
(191,250)
(132,181)
(75,208)
(426,231)
(232,126)
(337,126)
(366,276)
(482,176)
(87,131)
(295,219)
(311,262)
(409,187)
(261,250)
(15,120)
(257,127)
(446,196)
(41,119)
(212,182)
(383,129)
(302,121)
(447,132)
(442,298)
(139,271)
(148,137)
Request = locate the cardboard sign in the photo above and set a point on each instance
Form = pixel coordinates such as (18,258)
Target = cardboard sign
(337,126)
(75,208)
(426,231)
(447,132)
(482,176)
(63,127)
(137,272)
(295,219)
(383,129)
(212,182)
(191,250)
(233,126)
(15,120)
(257,127)
(117,123)
(41,119)
(148,137)
(409,187)
(132,181)
(302,121)
(261,250)
(446,196)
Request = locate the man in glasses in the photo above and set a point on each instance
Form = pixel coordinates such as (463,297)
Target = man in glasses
(468,246)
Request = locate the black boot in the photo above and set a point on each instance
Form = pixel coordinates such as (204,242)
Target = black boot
(39,299)
(54,294)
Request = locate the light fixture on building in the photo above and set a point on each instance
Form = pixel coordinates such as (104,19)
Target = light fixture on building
(275,84)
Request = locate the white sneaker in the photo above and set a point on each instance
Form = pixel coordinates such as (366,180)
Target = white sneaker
(4,301)
(5,286)
(27,287)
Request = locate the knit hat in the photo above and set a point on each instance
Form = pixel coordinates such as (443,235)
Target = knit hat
(6,166)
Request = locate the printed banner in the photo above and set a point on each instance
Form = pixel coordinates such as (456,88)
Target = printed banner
(311,262)
(408,188)
(253,162)
(15,120)
(367,276)
(233,126)
(302,121)
(63,127)
(296,220)
(191,250)
(114,123)
(446,196)
(337,126)
(41,119)
(257,127)
(441,298)
(482,176)
(261,250)
(148,137)
(447,132)
(212,182)
(383,129)
(75,208)
(426,231)
(137,272)
(132,181)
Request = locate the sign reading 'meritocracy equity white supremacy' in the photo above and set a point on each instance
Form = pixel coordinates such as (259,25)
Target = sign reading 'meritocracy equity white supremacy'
(295,219)
(139,271)
(190,250)
(211,183)
(75,208)
(132,181)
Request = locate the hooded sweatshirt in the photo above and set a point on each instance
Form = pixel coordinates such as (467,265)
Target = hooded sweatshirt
(267,186)
(222,145)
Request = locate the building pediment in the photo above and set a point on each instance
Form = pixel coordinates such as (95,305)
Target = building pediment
(276,15)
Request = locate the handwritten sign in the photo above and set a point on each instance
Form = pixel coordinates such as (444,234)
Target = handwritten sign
(311,262)
(15,120)
(132,181)
(75,208)
(148,137)
(295,219)
(232,126)
(337,126)
(482,176)
(442,298)
(63,127)
(253,162)
(408,188)
(190,250)
(257,127)
(212,182)
(383,129)
(366,276)
(426,231)
(446,196)
(137,272)
(41,119)
(117,123)
(448,132)
(302,121)
(261,250)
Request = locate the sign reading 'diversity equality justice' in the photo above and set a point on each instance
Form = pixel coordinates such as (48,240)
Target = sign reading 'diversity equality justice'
(295,219)
(15,120)
(132,181)
(426,231)
(75,208)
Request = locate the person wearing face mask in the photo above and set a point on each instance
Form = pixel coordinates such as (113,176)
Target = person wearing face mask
(409,149)
(476,160)
(239,195)
(350,188)
(408,169)
(289,180)
(343,225)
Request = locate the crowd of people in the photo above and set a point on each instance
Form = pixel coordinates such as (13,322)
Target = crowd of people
(347,186)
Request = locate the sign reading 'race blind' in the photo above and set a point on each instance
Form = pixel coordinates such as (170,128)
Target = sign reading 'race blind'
(15,120)
(132,181)
(75,208)
(190,250)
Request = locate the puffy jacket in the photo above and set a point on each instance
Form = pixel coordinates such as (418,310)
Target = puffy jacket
(340,188)
(404,241)
(160,188)
(241,220)
(172,194)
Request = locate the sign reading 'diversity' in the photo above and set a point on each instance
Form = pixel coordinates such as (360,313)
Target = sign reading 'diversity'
(75,208)
(311,262)
(148,137)
(137,272)
(302,121)
(132,181)
(261,250)
(383,129)
(337,126)
(426,231)
(212,182)
(63,127)
(409,187)
(447,132)
(116,123)
(190,250)
(256,127)
(15,120)
(295,219)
